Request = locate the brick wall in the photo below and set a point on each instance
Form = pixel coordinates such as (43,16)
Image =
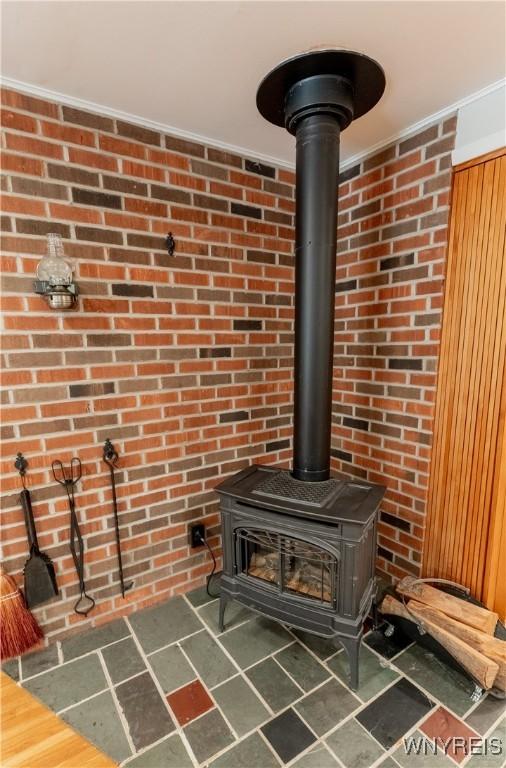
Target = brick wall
(390,278)
(185,362)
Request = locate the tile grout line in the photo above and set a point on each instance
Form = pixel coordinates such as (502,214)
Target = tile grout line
(60,652)
(290,677)
(121,714)
(77,703)
(178,728)
(64,663)
(203,683)
(143,750)
(241,671)
(310,749)
(268,744)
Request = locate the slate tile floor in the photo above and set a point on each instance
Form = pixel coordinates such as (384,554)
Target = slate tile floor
(164,689)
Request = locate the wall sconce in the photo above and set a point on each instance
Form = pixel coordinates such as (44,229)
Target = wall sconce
(55,279)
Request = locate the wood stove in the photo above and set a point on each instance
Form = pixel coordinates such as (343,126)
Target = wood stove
(300,546)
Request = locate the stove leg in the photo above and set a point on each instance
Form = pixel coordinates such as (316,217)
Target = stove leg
(352,648)
(223,605)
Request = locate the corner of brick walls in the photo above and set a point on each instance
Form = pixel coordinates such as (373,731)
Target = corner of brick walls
(186,362)
(393,227)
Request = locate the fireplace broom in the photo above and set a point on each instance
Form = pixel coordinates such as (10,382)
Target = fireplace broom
(19,629)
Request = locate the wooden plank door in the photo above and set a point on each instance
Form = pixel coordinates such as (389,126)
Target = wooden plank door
(466,531)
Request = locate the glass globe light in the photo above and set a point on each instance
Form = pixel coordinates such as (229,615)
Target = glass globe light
(53,268)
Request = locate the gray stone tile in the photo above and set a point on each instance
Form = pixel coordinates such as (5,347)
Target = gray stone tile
(144,709)
(273,684)
(252,751)
(354,747)
(242,708)
(395,712)
(170,753)
(235,614)
(288,735)
(423,760)
(495,748)
(488,711)
(388,762)
(40,661)
(302,666)
(68,684)
(164,624)
(317,757)
(11,668)
(373,674)
(208,735)
(211,663)
(171,668)
(254,640)
(327,706)
(123,660)
(98,721)
(321,646)
(449,686)
(95,638)
(199,596)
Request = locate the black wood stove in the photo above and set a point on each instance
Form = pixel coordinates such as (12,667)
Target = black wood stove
(300,546)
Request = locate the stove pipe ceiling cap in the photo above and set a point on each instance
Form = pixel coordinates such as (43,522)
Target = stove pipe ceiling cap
(344,83)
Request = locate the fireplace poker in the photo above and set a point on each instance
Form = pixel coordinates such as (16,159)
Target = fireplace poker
(69,479)
(111,459)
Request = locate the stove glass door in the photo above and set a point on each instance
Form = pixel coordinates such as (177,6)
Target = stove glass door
(287,564)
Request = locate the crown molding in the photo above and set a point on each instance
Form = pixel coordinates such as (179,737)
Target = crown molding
(435,117)
(90,106)
(101,109)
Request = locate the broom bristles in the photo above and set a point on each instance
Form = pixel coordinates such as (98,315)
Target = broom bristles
(19,630)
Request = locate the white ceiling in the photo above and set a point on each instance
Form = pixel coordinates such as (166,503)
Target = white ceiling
(196,65)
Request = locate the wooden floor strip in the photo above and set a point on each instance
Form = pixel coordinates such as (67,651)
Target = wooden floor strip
(34,737)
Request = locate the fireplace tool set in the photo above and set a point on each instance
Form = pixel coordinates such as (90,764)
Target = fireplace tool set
(40,583)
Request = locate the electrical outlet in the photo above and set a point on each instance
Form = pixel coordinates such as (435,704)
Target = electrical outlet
(197,533)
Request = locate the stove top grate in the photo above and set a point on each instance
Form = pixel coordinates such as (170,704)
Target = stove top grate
(283,485)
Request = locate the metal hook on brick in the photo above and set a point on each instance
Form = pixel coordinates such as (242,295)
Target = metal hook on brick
(170,243)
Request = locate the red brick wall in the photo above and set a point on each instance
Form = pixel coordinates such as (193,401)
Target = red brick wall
(186,362)
(390,278)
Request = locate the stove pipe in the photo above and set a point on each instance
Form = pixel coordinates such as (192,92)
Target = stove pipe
(315,96)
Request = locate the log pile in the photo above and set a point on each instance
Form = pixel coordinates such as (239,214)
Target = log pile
(465,630)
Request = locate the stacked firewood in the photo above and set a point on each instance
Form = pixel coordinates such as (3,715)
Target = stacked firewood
(465,630)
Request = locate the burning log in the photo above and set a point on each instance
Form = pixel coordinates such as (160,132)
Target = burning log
(481,668)
(461,610)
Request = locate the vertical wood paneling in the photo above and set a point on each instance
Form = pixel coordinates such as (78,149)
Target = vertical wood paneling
(465,526)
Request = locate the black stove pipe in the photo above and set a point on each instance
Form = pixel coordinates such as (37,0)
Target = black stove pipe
(315,268)
(315,96)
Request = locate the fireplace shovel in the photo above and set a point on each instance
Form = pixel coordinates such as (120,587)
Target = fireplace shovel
(40,578)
